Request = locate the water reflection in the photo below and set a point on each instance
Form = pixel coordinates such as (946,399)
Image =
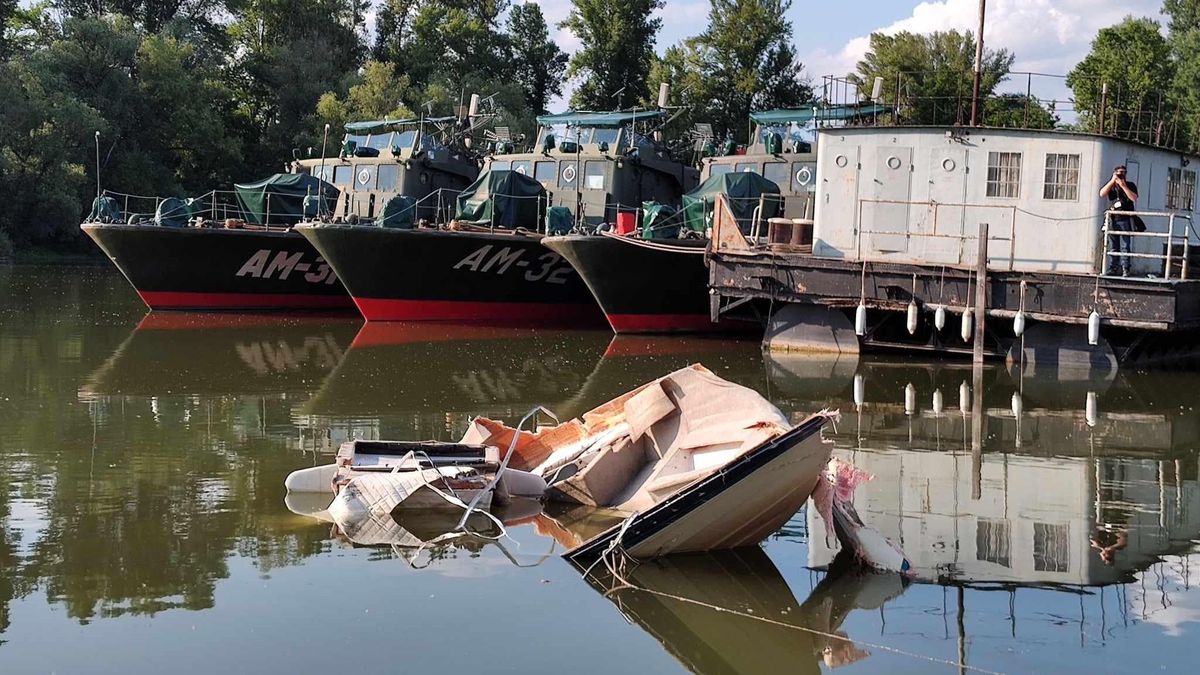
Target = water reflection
(145,463)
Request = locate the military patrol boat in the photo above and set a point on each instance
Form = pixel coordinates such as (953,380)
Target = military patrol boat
(236,250)
(654,279)
(486,262)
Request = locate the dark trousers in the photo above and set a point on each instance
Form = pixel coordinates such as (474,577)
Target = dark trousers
(1119,244)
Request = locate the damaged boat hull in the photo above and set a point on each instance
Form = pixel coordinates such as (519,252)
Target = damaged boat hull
(739,505)
(436,275)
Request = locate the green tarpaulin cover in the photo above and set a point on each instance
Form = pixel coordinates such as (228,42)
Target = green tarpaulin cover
(171,212)
(559,220)
(281,197)
(104,210)
(743,190)
(399,212)
(659,221)
(502,198)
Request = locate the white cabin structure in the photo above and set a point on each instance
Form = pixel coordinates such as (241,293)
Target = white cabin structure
(918,194)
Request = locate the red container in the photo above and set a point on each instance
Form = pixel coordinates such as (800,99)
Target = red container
(626,222)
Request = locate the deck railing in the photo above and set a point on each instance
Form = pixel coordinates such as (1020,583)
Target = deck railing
(1171,238)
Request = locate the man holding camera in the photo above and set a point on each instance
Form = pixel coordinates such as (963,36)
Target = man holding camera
(1122,196)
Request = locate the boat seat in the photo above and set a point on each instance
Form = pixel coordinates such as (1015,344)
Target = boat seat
(606,475)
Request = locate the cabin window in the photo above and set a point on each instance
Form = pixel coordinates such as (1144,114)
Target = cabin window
(993,541)
(321,173)
(388,173)
(593,174)
(743,167)
(606,135)
(341,174)
(543,172)
(364,177)
(568,174)
(1062,177)
(1181,188)
(1004,175)
(523,167)
(381,141)
(1051,547)
(718,170)
(501,165)
(777,173)
(405,139)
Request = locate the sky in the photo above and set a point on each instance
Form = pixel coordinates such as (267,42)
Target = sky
(1047,36)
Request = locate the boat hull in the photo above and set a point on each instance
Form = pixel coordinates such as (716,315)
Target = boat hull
(218,269)
(643,287)
(739,505)
(466,277)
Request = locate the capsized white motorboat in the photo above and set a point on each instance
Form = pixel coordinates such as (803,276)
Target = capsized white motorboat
(369,480)
(695,462)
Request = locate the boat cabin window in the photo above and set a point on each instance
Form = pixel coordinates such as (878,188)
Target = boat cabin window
(1004,175)
(568,172)
(523,167)
(544,172)
(501,165)
(1062,177)
(388,174)
(593,173)
(778,173)
(561,133)
(404,139)
(745,167)
(718,169)
(803,176)
(1181,188)
(324,173)
(341,174)
(364,177)
(381,141)
(359,140)
(606,135)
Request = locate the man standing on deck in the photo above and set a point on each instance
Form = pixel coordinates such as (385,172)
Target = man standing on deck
(1122,196)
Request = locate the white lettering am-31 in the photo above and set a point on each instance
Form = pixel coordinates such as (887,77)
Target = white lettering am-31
(268,264)
(548,266)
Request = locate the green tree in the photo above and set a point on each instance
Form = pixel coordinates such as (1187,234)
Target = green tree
(538,63)
(1183,38)
(744,61)
(379,93)
(617,50)
(1019,111)
(934,74)
(1134,60)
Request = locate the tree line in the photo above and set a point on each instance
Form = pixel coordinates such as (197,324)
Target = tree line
(192,95)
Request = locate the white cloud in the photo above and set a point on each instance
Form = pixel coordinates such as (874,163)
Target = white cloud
(1047,36)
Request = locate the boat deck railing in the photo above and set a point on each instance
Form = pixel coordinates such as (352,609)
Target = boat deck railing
(1177,247)
(214,205)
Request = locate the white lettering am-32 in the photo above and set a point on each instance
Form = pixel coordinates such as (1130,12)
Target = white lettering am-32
(268,264)
(548,266)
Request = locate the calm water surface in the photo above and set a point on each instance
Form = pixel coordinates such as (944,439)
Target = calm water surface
(143,525)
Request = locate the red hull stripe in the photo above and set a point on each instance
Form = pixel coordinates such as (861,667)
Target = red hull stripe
(377,309)
(193,300)
(669,323)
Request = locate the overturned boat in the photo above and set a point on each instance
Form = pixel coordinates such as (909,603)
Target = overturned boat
(693,463)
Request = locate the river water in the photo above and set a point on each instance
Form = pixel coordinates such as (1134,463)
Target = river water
(144,529)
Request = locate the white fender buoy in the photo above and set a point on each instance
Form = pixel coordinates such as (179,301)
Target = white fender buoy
(859,394)
(964,397)
(939,317)
(912,317)
(1017,405)
(1089,409)
(910,399)
(967,325)
(860,320)
(938,404)
(1094,328)
(1019,324)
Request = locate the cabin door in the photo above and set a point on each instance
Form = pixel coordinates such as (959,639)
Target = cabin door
(944,214)
(885,211)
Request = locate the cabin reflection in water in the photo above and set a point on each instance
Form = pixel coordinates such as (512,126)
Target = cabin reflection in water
(1055,495)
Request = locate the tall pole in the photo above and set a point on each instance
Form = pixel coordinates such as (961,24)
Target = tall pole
(97,164)
(321,196)
(978,66)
